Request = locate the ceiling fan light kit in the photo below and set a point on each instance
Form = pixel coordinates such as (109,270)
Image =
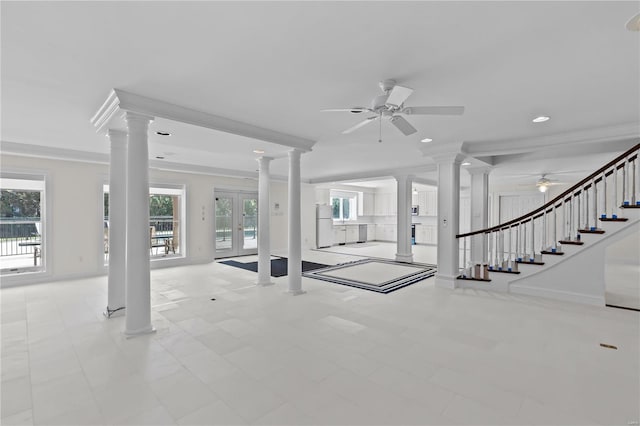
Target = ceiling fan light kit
(390,104)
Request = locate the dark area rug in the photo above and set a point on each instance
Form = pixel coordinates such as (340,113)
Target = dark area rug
(278,266)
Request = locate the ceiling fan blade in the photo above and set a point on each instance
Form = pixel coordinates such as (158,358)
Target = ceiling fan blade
(360,124)
(433,110)
(398,95)
(354,109)
(403,125)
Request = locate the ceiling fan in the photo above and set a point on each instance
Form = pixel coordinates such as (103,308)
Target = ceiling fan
(544,183)
(390,104)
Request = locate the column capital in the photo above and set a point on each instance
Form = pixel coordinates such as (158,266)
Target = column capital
(403,176)
(264,159)
(116,135)
(477,170)
(449,158)
(130,116)
(295,151)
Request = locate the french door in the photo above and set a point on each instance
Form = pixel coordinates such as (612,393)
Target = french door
(236,227)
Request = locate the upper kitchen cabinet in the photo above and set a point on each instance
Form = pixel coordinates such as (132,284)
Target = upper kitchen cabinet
(368,204)
(385,204)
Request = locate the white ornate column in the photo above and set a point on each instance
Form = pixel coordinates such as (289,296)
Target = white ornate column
(404,252)
(448,218)
(294,264)
(138,314)
(479,211)
(117,231)
(264,235)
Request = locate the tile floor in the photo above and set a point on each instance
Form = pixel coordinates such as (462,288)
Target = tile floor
(335,355)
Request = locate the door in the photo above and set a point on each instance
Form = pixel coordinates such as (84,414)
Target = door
(236,224)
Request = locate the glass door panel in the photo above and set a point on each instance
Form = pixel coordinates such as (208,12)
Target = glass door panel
(249,223)
(224,225)
(236,223)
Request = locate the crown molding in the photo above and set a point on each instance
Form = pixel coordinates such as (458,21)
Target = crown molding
(39,151)
(52,153)
(575,138)
(372,174)
(120,100)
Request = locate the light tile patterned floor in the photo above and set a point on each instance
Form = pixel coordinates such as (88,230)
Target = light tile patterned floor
(336,355)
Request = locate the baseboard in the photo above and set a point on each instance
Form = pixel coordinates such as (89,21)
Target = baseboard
(557,295)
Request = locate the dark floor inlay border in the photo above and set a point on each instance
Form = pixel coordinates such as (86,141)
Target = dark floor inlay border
(425,272)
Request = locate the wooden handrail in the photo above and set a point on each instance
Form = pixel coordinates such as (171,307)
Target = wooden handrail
(573,191)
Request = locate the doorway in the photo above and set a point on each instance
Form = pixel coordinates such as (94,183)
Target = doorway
(236,227)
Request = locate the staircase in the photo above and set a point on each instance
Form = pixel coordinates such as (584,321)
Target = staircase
(558,250)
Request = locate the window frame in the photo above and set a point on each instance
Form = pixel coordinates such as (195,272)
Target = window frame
(43,269)
(156,188)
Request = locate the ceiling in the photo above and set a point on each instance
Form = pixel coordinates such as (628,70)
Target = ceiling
(277,64)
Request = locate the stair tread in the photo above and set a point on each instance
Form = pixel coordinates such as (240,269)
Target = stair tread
(630,206)
(526,262)
(503,271)
(591,231)
(473,279)
(573,242)
(555,253)
(616,219)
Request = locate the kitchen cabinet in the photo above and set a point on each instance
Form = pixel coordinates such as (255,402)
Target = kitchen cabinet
(339,234)
(426,234)
(352,233)
(371,233)
(431,203)
(368,204)
(386,232)
(385,204)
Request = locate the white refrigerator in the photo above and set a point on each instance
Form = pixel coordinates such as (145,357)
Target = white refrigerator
(324,226)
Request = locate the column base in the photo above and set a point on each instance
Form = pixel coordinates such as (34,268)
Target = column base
(131,334)
(406,258)
(111,313)
(265,284)
(296,292)
(445,281)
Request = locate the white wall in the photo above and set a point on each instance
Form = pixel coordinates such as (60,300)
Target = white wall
(75,226)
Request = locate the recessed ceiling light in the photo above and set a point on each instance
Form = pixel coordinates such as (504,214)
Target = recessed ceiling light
(258,151)
(425,140)
(466,163)
(163,133)
(541,119)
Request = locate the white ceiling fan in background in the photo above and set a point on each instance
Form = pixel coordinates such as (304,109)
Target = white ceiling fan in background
(544,182)
(390,104)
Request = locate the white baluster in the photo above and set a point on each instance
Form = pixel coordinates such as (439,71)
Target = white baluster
(533,241)
(615,205)
(625,200)
(595,204)
(553,234)
(634,198)
(604,194)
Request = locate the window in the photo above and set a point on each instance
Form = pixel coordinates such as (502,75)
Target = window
(21,224)
(165,222)
(344,205)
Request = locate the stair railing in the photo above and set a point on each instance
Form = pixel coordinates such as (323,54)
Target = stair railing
(601,196)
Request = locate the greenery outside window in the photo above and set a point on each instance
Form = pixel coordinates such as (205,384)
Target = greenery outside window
(344,205)
(22,235)
(165,222)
